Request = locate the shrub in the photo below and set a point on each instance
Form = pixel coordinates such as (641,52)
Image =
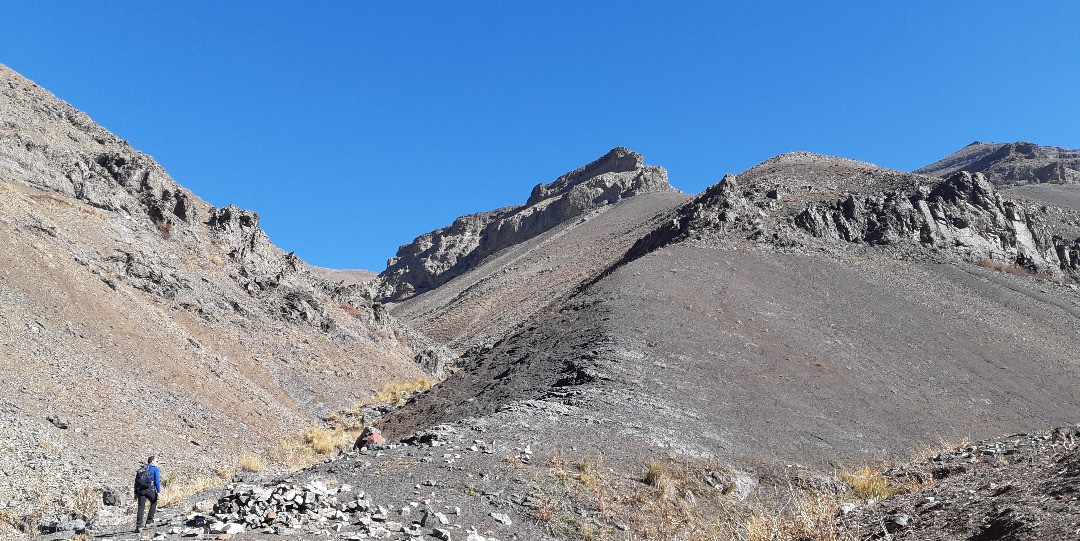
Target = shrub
(397,393)
(252,463)
(165,227)
(86,503)
(9,522)
(868,483)
(660,476)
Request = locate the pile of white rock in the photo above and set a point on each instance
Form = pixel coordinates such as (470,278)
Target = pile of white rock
(286,508)
(314,508)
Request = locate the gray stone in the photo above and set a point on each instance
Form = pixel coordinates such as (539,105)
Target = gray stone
(896,522)
(110,496)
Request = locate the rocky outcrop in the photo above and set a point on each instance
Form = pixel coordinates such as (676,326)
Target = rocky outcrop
(962,215)
(161,228)
(1008,164)
(434,258)
(1022,486)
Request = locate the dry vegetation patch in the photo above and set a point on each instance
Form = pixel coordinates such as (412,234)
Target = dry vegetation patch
(175,489)
(869,483)
(694,500)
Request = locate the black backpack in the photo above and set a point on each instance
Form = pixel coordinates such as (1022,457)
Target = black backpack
(143,479)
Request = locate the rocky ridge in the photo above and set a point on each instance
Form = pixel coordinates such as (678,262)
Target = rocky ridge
(50,145)
(961,216)
(1011,164)
(434,258)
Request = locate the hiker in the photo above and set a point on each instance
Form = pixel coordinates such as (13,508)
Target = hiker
(147,488)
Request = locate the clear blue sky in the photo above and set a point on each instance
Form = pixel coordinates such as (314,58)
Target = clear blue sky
(352,127)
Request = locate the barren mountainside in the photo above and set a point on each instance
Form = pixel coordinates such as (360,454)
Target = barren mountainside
(141,319)
(807,300)
(618,360)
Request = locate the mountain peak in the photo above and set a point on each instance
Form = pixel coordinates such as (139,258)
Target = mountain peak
(434,258)
(1007,164)
(617,160)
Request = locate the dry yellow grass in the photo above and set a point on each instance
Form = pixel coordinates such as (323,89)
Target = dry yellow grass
(813,519)
(176,491)
(312,445)
(252,463)
(324,441)
(590,473)
(670,500)
(868,483)
(51,446)
(397,393)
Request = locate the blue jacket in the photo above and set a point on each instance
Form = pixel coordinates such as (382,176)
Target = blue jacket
(155,477)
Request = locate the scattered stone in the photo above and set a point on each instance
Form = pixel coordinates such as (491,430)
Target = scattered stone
(109,496)
(57,422)
(503,518)
(895,523)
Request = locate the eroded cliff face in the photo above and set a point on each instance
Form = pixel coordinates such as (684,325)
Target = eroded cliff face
(162,228)
(434,258)
(839,202)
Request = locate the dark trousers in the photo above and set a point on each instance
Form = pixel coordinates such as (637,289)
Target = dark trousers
(148,495)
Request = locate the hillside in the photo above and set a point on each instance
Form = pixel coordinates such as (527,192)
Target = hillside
(139,319)
(783,301)
(491,295)
(807,313)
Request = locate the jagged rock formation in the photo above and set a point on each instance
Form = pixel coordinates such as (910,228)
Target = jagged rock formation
(1009,164)
(962,215)
(149,320)
(434,258)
